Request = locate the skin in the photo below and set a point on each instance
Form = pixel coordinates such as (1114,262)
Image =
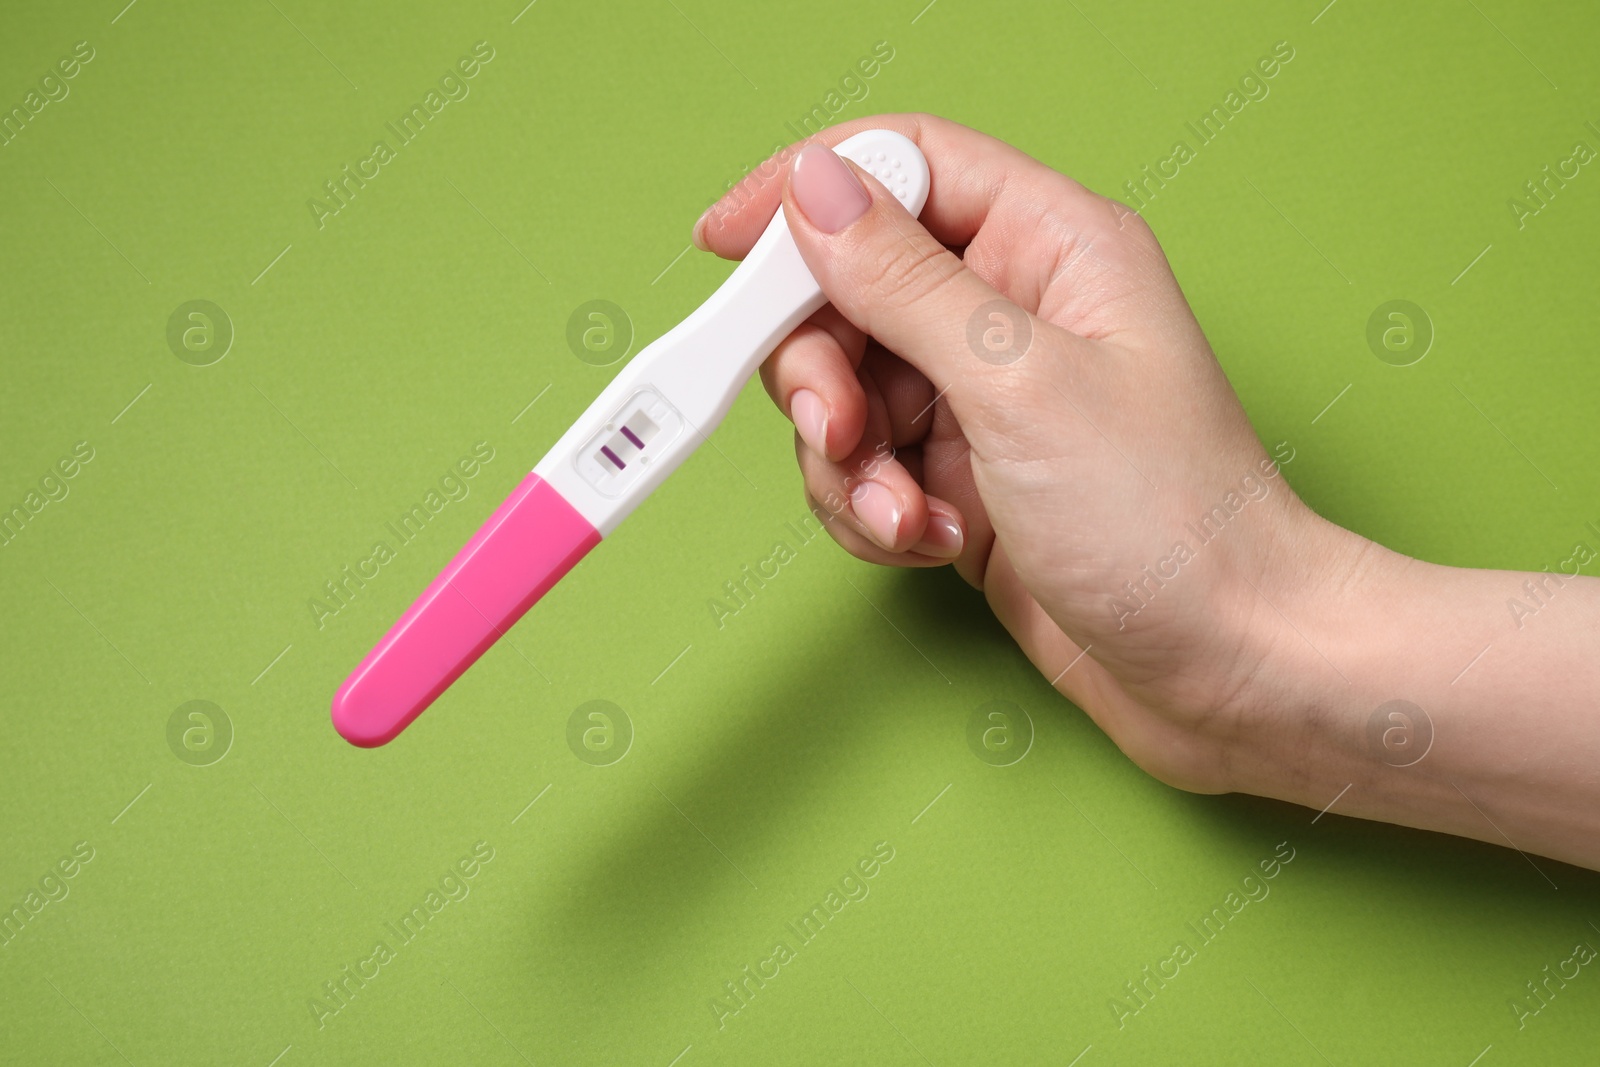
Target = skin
(1258,663)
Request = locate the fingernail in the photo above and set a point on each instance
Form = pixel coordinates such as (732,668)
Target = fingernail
(879,510)
(699,234)
(810,416)
(941,538)
(829,194)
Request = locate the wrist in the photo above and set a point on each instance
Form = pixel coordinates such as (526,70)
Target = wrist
(1355,650)
(1345,677)
(1302,685)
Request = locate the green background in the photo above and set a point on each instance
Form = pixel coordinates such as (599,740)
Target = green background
(832,712)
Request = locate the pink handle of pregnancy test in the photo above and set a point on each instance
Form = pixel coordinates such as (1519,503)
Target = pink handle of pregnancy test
(530,541)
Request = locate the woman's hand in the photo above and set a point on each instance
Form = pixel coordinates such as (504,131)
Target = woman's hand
(1014,384)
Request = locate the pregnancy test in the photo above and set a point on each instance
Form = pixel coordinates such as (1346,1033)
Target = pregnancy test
(656,411)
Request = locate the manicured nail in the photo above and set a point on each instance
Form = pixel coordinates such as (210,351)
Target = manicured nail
(829,194)
(941,538)
(699,234)
(810,416)
(879,510)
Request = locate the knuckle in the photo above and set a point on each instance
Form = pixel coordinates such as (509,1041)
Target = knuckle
(1130,226)
(825,504)
(828,510)
(910,271)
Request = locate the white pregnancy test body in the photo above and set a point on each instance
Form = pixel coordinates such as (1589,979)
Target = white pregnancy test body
(679,387)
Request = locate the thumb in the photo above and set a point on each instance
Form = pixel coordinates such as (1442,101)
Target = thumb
(891,278)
